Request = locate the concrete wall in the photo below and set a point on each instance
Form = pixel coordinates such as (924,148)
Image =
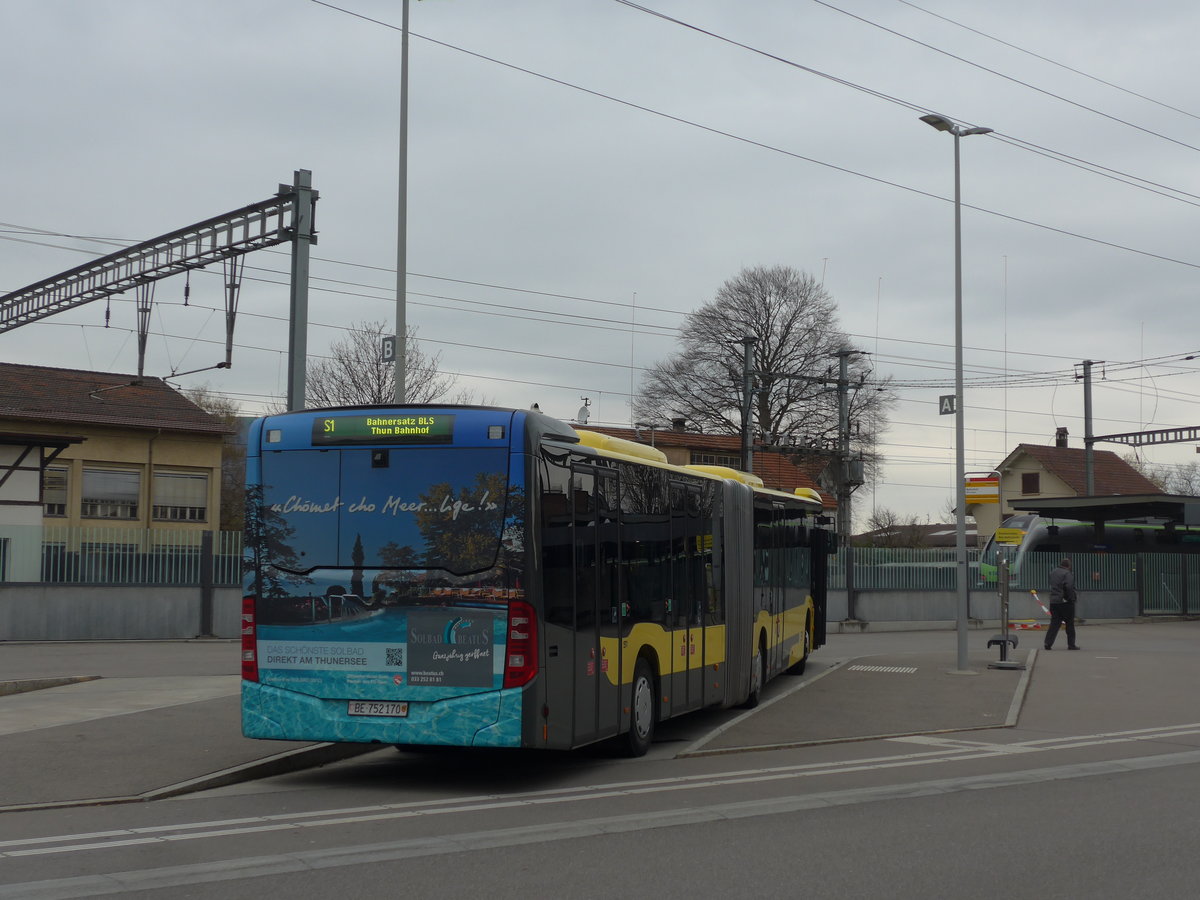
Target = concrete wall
(103,613)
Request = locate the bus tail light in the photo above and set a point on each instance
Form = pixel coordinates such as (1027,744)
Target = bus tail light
(520,661)
(249,641)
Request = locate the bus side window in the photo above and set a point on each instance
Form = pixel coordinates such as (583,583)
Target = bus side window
(645,543)
(558,590)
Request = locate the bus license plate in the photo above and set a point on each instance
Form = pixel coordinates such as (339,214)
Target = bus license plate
(377,708)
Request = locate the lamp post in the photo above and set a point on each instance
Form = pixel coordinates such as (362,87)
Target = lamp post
(960,467)
(402,218)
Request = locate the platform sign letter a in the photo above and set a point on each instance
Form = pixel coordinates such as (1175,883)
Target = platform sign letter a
(946,405)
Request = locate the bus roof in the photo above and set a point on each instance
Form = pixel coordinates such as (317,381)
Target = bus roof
(615,446)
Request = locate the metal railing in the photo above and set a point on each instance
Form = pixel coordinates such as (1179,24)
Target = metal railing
(1166,583)
(901,569)
(114,555)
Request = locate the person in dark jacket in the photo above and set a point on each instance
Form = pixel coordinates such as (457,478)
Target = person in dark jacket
(1062,604)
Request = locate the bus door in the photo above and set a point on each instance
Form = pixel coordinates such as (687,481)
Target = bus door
(687,596)
(769,578)
(710,566)
(597,663)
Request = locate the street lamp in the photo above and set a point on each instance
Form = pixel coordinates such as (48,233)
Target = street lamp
(960,466)
(402,218)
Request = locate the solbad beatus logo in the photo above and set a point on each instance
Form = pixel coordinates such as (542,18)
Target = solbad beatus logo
(457,632)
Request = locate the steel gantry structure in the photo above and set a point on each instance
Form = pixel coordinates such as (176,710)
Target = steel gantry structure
(286,217)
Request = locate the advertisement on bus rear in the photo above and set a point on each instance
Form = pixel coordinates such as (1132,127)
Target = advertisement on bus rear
(372,654)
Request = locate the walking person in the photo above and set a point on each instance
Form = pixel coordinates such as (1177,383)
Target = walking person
(1062,604)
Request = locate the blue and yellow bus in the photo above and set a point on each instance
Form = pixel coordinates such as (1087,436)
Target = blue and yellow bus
(469,576)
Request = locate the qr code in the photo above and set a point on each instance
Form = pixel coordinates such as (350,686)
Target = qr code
(395,656)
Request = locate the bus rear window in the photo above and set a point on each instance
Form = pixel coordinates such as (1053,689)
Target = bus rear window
(395,508)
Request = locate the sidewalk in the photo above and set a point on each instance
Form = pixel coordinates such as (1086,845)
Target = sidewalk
(147,720)
(164,718)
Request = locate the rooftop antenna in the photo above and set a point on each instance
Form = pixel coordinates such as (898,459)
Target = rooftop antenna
(583,415)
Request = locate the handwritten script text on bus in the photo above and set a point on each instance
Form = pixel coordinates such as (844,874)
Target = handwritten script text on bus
(393,506)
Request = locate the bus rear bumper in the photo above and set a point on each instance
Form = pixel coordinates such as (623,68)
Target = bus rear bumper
(490,719)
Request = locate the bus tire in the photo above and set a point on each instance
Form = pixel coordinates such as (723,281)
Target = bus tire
(758,677)
(799,667)
(643,710)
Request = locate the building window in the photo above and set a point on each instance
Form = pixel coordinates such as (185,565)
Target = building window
(180,497)
(716,459)
(110,494)
(54,491)
(1031,483)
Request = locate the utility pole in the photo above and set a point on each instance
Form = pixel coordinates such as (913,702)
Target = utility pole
(303,237)
(1089,454)
(747,343)
(402,218)
(849,477)
(849,471)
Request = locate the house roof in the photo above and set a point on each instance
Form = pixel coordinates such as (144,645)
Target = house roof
(777,471)
(74,397)
(1111,474)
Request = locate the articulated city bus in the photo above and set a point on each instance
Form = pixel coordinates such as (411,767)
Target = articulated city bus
(469,576)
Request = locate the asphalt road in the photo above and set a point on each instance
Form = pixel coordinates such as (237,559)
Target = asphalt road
(1090,792)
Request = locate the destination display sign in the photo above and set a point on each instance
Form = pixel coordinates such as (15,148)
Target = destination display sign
(1009,535)
(380,428)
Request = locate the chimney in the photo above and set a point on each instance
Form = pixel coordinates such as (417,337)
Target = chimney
(679,424)
(1060,437)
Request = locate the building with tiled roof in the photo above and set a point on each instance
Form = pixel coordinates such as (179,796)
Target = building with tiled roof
(1034,471)
(114,450)
(683,448)
(42,394)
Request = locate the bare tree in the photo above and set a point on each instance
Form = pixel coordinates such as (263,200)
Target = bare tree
(1181,479)
(889,528)
(356,373)
(796,325)
(950,510)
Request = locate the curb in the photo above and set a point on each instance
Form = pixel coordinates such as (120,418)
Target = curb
(25,685)
(280,764)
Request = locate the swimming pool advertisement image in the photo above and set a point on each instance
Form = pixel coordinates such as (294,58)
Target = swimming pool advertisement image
(376,583)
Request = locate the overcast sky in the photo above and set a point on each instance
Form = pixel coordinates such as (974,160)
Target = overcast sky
(583,173)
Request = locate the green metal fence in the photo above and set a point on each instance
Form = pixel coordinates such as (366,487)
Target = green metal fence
(1166,583)
(901,569)
(1093,571)
(1169,584)
(110,555)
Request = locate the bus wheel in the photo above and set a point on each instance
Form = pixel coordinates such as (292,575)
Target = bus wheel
(799,667)
(644,711)
(758,678)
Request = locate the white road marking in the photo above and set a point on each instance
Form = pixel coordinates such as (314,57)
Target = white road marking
(305,861)
(949,752)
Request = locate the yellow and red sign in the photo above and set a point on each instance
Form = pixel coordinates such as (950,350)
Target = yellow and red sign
(982,488)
